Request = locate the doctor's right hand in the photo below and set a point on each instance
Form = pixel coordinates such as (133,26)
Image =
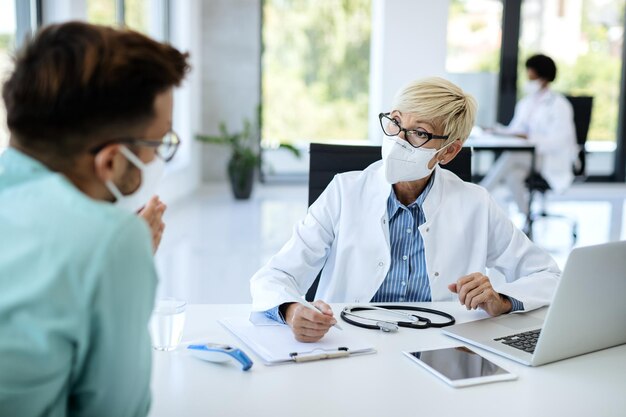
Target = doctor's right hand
(309,325)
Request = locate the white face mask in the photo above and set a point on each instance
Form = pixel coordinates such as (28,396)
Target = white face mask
(531,87)
(403,162)
(151,174)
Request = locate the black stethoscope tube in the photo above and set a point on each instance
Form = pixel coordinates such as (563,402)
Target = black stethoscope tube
(421,323)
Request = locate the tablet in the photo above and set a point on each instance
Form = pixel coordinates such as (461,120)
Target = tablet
(460,366)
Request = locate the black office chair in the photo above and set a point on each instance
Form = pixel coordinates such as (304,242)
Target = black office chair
(328,160)
(582,107)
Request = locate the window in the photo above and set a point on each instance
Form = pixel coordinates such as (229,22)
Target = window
(474,31)
(150,17)
(7,44)
(473,53)
(134,13)
(585,40)
(315,70)
(102,12)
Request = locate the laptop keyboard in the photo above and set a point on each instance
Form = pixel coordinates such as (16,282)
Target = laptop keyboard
(523,341)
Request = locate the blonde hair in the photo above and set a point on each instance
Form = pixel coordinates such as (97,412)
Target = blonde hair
(441,103)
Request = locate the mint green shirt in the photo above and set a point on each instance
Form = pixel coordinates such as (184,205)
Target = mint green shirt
(77,283)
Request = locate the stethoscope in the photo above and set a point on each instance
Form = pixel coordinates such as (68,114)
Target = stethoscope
(414,321)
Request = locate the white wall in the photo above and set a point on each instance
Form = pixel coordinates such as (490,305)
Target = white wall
(231,73)
(182,174)
(408,43)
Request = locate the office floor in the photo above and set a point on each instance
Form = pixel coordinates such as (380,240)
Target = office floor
(213,244)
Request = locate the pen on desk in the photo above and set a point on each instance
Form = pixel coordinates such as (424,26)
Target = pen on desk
(313,307)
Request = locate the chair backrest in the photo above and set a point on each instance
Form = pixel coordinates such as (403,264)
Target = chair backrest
(328,160)
(582,106)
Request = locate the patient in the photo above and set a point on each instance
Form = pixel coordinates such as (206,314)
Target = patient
(89,109)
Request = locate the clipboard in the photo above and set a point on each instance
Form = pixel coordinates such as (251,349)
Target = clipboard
(276,345)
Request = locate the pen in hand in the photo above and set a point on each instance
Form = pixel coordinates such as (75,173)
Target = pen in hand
(313,307)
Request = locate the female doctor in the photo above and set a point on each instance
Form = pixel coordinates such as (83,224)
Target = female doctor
(405,230)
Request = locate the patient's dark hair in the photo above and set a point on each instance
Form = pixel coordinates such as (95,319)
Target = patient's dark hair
(75,82)
(543,65)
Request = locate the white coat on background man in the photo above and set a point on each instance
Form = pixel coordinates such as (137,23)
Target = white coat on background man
(346,232)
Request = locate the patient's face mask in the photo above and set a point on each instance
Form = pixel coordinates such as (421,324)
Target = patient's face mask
(151,174)
(403,162)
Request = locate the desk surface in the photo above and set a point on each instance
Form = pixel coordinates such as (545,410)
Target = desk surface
(383,384)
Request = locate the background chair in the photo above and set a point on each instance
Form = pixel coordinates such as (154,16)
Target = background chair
(328,160)
(582,107)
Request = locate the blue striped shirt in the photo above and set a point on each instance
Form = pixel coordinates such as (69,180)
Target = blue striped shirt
(407,279)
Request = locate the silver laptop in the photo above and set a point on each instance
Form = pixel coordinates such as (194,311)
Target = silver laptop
(588,313)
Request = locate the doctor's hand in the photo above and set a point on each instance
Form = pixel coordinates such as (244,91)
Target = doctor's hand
(152,213)
(309,325)
(475,291)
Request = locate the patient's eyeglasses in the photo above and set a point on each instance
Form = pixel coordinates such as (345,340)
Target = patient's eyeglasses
(165,148)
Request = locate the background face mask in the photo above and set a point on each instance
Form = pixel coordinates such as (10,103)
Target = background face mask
(531,87)
(402,162)
(151,174)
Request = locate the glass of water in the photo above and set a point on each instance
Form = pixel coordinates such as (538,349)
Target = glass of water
(167,323)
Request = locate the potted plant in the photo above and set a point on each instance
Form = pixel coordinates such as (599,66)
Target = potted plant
(245,156)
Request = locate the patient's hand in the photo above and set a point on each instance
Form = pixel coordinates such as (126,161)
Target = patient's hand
(152,213)
(475,291)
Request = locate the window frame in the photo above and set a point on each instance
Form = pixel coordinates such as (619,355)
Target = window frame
(28,19)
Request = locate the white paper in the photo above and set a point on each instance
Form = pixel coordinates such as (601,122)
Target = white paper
(274,344)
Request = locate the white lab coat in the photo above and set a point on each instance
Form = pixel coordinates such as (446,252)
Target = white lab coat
(547,119)
(346,232)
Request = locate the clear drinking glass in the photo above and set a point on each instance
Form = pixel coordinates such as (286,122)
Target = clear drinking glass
(167,323)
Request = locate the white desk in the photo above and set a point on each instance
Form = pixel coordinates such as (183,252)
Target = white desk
(499,143)
(383,384)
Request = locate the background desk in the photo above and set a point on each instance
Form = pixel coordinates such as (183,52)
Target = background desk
(497,143)
(489,142)
(500,143)
(383,384)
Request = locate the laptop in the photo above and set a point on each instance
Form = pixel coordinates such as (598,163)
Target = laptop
(588,313)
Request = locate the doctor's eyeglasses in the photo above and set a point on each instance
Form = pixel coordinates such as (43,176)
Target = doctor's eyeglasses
(416,138)
(165,148)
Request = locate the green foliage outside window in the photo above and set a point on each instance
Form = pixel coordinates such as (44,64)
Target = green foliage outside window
(598,75)
(6,42)
(596,71)
(136,15)
(315,69)
(6,47)
(103,12)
